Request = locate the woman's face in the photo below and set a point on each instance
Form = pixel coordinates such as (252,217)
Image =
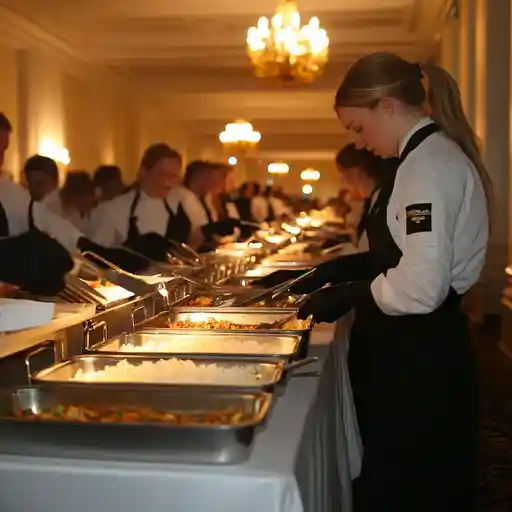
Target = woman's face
(357,181)
(374,127)
(161,178)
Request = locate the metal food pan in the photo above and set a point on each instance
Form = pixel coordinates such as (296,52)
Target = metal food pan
(249,317)
(253,375)
(223,443)
(209,344)
(285,302)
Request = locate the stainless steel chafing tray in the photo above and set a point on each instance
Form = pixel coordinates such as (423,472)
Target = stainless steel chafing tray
(204,373)
(193,442)
(249,317)
(208,344)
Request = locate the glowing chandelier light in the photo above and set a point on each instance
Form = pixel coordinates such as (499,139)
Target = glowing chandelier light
(281,48)
(310,175)
(239,137)
(278,168)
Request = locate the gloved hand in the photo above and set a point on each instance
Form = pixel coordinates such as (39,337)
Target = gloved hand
(34,262)
(278,277)
(124,259)
(152,245)
(352,267)
(223,227)
(330,304)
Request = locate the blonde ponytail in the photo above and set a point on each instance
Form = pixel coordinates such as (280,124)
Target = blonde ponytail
(445,105)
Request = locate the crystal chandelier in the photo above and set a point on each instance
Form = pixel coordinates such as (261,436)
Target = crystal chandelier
(310,175)
(281,48)
(239,137)
(278,168)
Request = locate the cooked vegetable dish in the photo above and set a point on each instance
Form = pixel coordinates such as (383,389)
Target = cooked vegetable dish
(88,414)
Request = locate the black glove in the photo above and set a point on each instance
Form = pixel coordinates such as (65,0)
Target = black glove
(278,277)
(34,262)
(124,259)
(353,267)
(152,245)
(223,227)
(330,304)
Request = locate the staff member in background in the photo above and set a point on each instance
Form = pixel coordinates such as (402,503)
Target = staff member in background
(222,196)
(418,392)
(108,180)
(145,218)
(42,177)
(5,137)
(201,178)
(371,178)
(75,200)
(259,204)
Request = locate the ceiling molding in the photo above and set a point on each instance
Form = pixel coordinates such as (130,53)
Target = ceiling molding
(21,33)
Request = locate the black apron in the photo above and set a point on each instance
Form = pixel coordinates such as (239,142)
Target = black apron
(178,224)
(271,212)
(4,223)
(204,204)
(415,389)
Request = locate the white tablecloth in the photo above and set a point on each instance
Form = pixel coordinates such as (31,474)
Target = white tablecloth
(293,466)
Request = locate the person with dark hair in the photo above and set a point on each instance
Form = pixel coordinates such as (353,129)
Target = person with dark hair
(221,196)
(42,177)
(145,218)
(75,200)
(201,179)
(108,180)
(5,136)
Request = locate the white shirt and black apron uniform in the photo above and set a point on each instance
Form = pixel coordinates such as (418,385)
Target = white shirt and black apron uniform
(30,258)
(413,374)
(177,229)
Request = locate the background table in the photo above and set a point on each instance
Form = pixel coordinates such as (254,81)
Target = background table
(293,466)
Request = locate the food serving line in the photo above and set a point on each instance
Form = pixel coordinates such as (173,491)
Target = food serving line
(193,405)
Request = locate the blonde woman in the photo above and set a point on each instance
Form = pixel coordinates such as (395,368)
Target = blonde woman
(411,362)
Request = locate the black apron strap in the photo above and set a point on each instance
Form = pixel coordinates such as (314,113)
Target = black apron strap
(206,209)
(133,230)
(417,138)
(31,222)
(4,223)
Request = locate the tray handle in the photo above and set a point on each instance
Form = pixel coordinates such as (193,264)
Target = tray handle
(93,327)
(39,349)
(136,310)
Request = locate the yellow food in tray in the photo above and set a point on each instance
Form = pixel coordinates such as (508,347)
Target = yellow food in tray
(206,302)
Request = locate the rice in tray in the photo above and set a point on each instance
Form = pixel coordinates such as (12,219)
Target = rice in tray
(173,371)
(210,346)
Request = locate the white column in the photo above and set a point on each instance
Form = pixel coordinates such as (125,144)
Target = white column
(467,48)
(492,105)
(450,54)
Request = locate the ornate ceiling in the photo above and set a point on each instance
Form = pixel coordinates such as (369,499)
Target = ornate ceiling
(188,58)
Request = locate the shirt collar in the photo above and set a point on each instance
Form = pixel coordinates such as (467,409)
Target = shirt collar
(420,124)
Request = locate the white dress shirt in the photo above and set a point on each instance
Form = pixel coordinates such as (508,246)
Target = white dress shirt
(110,221)
(16,203)
(438,198)
(53,202)
(259,208)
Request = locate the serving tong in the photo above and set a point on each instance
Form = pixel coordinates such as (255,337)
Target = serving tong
(269,293)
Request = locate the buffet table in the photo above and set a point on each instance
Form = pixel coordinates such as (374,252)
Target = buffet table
(299,462)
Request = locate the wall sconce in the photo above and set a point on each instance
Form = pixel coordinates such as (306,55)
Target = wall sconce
(55,152)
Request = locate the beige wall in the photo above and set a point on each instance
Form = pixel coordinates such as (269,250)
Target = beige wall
(83,108)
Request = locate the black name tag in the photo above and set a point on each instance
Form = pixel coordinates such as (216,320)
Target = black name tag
(418,218)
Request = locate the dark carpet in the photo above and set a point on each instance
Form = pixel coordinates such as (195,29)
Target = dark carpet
(496,435)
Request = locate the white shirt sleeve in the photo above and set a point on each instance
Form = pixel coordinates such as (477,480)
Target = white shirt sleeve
(16,202)
(428,202)
(259,208)
(194,210)
(105,226)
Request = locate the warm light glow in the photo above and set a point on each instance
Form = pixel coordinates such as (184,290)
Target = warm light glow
(280,47)
(307,189)
(310,175)
(240,136)
(54,151)
(278,168)
(232,160)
